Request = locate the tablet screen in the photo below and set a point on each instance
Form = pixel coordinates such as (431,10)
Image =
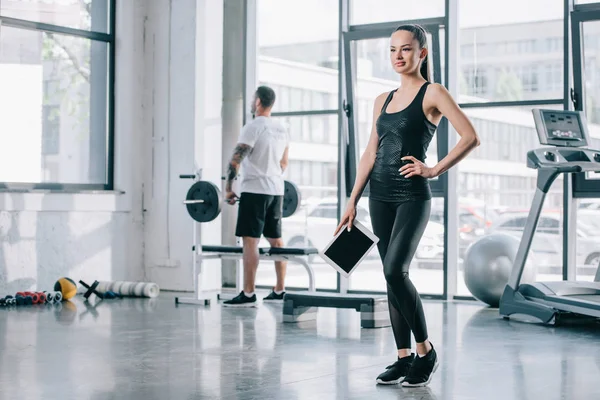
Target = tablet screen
(349,248)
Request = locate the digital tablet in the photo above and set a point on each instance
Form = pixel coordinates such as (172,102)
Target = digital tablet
(347,249)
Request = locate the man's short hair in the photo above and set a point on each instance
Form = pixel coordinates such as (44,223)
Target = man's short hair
(266,96)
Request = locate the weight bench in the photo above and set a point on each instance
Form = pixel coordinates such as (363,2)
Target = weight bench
(374,311)
(295,255)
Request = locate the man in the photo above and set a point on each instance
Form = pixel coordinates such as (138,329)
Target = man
(262,152)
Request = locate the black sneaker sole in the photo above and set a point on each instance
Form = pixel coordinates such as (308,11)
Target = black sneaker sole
(421,384)
(394,382)
(241,305)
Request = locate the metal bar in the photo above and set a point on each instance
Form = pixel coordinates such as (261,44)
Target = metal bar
(250,74)
(296,259)
(521,103)
(569,242)
(303,113)
(578,65)
(526,239)
(568,7)
(342,190)
(391,26)
(591,11)
(587,189)
(437,58)
(386,29)
(350,142)
(464,298)
(344,129)
(41,26)
(193,201)
(450,178)
(110,145)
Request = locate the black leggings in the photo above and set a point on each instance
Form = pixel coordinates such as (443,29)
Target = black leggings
(399,227)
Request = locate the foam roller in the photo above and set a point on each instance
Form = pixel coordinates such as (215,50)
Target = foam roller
(57,297)
(53,297)
(133,289)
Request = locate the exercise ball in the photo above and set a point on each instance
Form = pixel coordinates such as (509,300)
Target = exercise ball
(488,264)
(66,287)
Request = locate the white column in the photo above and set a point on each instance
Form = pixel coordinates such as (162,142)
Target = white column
(182,130)
(233,111)
(452,199)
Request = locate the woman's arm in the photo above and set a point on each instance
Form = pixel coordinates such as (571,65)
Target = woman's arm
(368,158)
(365,166)
(445,104)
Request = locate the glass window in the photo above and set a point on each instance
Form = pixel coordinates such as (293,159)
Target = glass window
(374,77)
(591,74)
(313,168)
(588,247)
(89,15)
(427,266)
(298,49)
(369,12)
(488,73)
(53,108)
(316,129)
(588,213)
(496,188)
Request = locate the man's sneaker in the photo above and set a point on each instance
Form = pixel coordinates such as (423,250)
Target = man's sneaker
(422,370)
(241,300)
(396,372)
(274,296)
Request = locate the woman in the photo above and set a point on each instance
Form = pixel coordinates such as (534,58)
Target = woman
(404,122)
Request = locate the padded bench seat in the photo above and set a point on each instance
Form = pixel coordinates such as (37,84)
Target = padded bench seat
(222,249)
(283,251)
(374,311)
(291,251)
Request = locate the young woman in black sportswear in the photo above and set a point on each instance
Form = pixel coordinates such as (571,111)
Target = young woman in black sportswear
(404,121)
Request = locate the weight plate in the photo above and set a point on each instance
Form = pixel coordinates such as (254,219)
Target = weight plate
(211,195)
(291,199)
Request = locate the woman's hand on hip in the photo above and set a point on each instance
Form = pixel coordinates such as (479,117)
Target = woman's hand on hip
(416,168)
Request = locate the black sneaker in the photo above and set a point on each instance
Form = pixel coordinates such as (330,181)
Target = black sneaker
(422,370)
(274,296)
(396,372)
(241,300)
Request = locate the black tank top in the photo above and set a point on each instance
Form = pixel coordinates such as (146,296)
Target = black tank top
(403,133)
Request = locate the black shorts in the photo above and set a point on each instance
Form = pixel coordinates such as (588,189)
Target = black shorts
(259,214)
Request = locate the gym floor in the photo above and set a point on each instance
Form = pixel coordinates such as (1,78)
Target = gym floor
(150,349)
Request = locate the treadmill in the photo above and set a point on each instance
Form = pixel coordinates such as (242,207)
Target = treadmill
(566,133)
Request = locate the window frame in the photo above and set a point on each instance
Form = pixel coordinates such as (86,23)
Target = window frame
(356,33)
(583,187)
(535,101)
(109,39)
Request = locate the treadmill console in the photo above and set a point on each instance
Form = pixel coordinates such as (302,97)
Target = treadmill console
(566,132)
(561,128)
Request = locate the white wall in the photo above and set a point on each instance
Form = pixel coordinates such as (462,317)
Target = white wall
(167,122)
(182,121)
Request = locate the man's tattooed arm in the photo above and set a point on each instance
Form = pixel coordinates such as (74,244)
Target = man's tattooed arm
(240,152)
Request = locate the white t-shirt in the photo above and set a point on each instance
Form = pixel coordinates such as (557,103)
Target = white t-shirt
(261,170)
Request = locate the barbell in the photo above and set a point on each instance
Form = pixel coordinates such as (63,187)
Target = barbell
(204,201)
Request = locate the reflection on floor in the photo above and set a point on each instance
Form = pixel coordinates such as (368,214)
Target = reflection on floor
(150,349)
